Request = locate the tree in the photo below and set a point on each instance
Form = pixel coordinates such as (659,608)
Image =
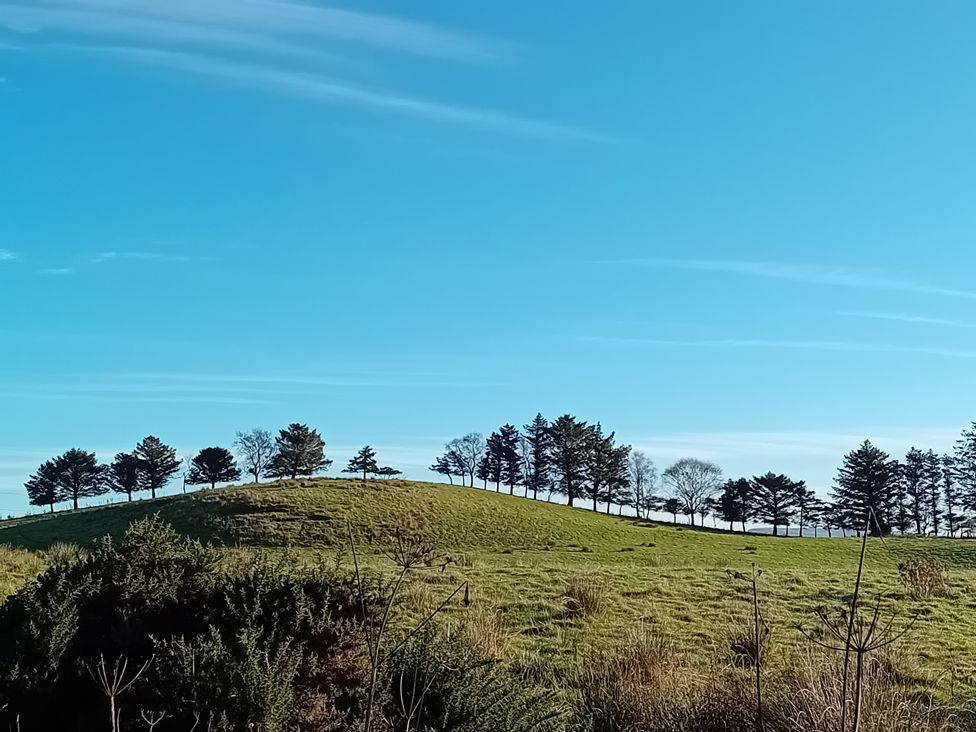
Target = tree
(909,500)
(932,487)
(806,503)
(693,482)
(617,488)
(442,466)
(466,453)
(964,465)
(387,472)
(213,465)
(864,483)
(672,506)
(43,488)
(255,449)
(643,477)
(538,476)
(773,499)
(364,462)
(734,502)
(569,451)
(949,492)
(79,475)
(157,464)
(511,463)
(599,450)
(123,474)
(299,450)
(492,461)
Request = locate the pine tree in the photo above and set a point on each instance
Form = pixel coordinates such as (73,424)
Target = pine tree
(363,462)
(734,502)
(931,490)
(672,506)
(157,464)
(569,447)
(599,448)
(123,474)
(538,476)
(493,461)
(864,483)
(965,469)
(949,492)
(617,488)
(442,466)
(213,465)
(912,487)
(511,462)
(299,450)
(773,500)
(43,488)
(79,475)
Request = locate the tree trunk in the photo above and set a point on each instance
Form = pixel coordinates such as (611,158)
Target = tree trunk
(570,497)
(153,489)
(775,529)
(743,526)
(52,508)
(692,517)
(595,507)
(213,484)
(130,496)
(75,499)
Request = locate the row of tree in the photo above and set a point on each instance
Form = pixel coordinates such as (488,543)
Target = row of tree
(297,451)
(926,493)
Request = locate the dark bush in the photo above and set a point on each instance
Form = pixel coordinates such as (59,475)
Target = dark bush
(249,645)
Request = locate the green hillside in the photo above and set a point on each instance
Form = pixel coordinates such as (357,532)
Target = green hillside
(520,556)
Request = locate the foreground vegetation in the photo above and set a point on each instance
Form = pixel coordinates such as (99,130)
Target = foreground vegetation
(632,624)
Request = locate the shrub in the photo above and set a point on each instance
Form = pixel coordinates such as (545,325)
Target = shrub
(273,646)
(925,577)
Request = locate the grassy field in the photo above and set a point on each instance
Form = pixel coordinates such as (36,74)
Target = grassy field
(519,556)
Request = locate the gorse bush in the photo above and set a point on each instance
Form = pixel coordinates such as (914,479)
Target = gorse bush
(254,645)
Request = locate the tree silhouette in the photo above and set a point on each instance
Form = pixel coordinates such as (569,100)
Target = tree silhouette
(466,453)
(43,488)
(511,462)
(773,500)
(387,472)
(299,450)
(672,506)
(79,475)
(255,449)
(123,474)
(864,483)
(569,451)
(735,502)
(157,464)
(693,482)
(363,462)
(643,476)
(443,466)
(213,465)
(538,475)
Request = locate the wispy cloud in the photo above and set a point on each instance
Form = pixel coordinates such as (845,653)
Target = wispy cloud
(813,274)
(270,25)
(786,344)
(102,257)
(56,271)
(913,319)
(7,256)
(319,88)
(790,444)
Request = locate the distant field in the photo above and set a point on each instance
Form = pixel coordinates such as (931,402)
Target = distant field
(519,556)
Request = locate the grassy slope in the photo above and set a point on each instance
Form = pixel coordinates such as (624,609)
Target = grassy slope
(519,555)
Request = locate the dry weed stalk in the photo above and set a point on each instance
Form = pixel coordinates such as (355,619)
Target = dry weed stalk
(113,682)
(408,554)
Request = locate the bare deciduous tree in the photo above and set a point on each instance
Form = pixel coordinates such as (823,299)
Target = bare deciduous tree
(643,477)
(466,452)
(255,449)
(693,482)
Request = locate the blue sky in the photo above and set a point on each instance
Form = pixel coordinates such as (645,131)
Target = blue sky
(741,232)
